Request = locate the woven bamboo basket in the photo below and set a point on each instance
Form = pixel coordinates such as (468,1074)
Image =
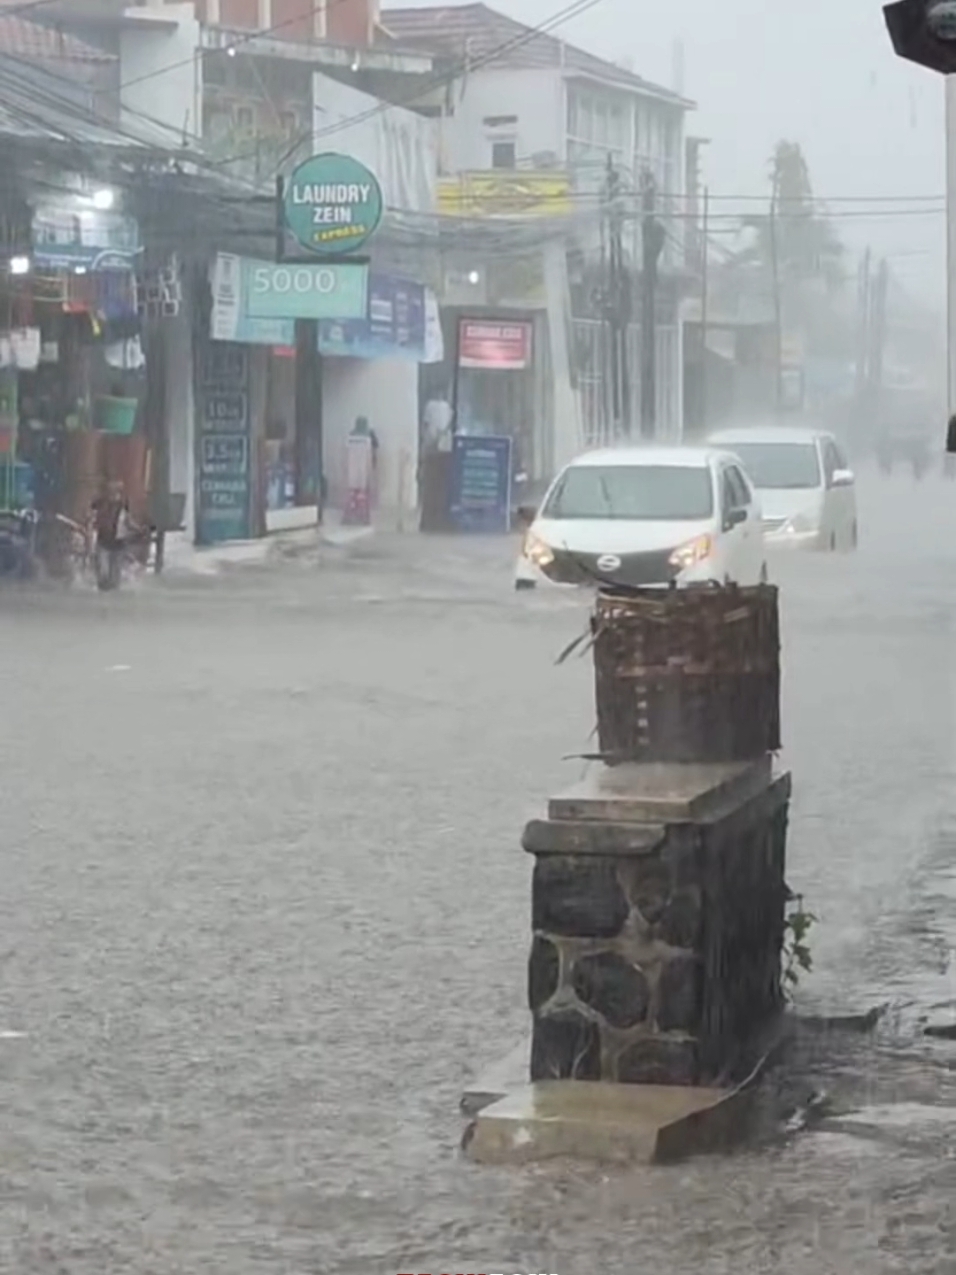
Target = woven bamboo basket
(690,675)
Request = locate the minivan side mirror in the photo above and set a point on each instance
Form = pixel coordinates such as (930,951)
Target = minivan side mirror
(734,517)
(842,478)
(525,516)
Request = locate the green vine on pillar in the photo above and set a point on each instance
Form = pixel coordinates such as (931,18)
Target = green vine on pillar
(797,957)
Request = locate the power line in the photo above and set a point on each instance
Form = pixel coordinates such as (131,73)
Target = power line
(234,45)
(573,10)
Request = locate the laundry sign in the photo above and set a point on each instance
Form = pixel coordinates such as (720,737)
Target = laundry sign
(332,204)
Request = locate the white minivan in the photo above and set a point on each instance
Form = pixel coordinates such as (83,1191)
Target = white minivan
(646,516)
(805,485)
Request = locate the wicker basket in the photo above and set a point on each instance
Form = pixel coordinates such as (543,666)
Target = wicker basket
(691,675)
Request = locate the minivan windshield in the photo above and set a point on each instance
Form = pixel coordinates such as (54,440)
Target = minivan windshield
(779,466)
(660,493)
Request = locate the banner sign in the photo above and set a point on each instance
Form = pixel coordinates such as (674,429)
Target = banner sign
(91,239)
(393,327)
(505,193)
(333,204)
(492,345)
(223,471)
(310,291)
(481,483)
(397,320)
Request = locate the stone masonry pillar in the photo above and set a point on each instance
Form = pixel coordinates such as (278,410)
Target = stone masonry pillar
(658,904)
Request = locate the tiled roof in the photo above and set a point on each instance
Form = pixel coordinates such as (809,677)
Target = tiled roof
(22,39)
(480,32)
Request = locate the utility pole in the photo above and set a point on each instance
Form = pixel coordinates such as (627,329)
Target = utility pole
(777,298)
(653,238)
(878,337)
(951,259)
(862,348)
(704,309)
(617,306)
(923,31)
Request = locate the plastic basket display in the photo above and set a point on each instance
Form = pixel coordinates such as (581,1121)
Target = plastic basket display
(116,415)
(688,675)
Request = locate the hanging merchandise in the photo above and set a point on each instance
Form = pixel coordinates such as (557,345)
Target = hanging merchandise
(25,347)
(20,349)
(126,356)
(161,291)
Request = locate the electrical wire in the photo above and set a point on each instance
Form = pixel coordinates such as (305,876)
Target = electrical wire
(573,10)
(234,45)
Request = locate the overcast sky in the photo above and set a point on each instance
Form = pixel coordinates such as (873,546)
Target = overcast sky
(819,72)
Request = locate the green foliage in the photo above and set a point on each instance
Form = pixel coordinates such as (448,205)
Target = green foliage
(797,957)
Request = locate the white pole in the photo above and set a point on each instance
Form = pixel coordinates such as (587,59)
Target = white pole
(951,243)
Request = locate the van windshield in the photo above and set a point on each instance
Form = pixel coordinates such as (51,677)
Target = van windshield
(658,493)
(779,466)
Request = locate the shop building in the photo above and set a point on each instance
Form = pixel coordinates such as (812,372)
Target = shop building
(527,136)
(78,296)
(259,87)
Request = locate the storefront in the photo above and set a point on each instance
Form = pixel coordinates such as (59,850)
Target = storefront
(72,363)
(366,341)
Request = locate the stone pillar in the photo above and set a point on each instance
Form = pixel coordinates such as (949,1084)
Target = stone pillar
(658,917)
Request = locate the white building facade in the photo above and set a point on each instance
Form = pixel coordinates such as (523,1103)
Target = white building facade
(546,106)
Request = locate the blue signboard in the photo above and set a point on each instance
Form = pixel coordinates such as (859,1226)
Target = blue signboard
(393,328)
(224,472)
(481,483)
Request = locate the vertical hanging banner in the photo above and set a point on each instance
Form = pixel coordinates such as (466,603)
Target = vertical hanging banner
(224,471)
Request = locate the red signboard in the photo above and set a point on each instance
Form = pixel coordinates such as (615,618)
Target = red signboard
(500,346)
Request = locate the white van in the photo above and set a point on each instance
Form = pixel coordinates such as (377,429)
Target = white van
(806,488)
(646,516)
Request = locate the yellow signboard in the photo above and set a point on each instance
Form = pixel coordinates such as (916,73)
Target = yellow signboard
(505,193)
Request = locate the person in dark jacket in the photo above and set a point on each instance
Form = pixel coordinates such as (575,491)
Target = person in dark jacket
(111,528)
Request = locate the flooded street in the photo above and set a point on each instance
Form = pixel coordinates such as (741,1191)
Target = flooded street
(264,915)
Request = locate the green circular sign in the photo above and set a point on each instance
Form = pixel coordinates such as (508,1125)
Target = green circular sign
(333,204)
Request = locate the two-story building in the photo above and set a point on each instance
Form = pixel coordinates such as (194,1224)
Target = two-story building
(524,112)
(257,86)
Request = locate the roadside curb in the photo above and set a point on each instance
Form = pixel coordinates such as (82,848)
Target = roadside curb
(184,559)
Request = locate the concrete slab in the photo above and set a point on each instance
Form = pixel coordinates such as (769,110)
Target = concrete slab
(586,1120)
(660,792)
(588,836)
(501,1078)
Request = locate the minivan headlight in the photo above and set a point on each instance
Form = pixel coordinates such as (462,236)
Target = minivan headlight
(799,525)
(691,552)
(536,551)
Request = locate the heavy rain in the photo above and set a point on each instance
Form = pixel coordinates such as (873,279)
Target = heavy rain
(478,752)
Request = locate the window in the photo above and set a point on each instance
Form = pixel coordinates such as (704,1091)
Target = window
(245,118)
(831,460)
(574,115)
(779,466)
(503,155)
(671,493)
(617,133)
(729,493)
(738,488)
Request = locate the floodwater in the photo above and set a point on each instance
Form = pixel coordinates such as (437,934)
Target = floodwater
(264,915)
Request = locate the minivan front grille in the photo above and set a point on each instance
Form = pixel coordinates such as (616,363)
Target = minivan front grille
(636,569)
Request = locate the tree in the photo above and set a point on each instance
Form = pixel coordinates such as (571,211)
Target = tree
(807,247)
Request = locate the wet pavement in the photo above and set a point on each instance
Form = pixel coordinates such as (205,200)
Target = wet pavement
(263,915)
